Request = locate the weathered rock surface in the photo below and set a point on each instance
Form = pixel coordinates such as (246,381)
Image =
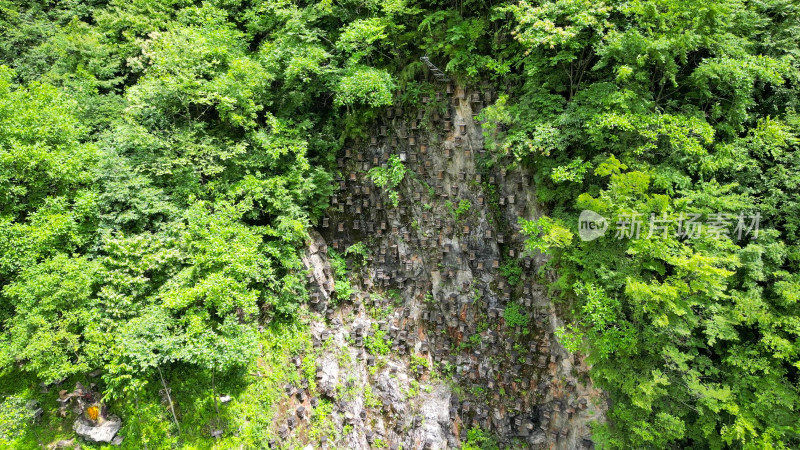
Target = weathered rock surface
(431,285)
(103,432)
(315,259)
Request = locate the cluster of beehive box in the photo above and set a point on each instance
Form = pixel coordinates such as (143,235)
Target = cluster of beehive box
(422,250)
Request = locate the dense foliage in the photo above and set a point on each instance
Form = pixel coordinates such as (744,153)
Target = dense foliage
(684,113)
(162,161)
(161,164)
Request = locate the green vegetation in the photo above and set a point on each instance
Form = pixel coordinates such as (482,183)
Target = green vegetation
(14,417)
(348,391)
(359,249)
(512,271)
(461,209)
(370,399)
(418,364)
(670,109)
(150,422)
(389,177)
(322,420)
(341,282)
(395,296)
(377,343)
(478,439)
(413,389)
(514,317)
(472,342)
(161,163)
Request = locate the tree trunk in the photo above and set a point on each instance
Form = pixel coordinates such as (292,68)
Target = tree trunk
(169,397)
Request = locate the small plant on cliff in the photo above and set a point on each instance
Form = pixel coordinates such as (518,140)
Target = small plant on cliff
(377,344)
(478,439)
(395,296)
(462,209)
(511,271)
(458,211)
(342,284)
(418,364)
(413,389)
(370,399)
(514,317)
(358,249)
(389,177)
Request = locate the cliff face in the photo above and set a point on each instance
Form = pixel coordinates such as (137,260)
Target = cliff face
(469,346)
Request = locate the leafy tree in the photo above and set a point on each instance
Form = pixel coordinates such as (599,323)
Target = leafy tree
(53,319)
(649,108)
(47,214)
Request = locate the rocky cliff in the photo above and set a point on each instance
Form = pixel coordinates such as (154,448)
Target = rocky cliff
(446,328)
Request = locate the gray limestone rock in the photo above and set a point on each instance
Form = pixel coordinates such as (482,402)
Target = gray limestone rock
(103,432)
